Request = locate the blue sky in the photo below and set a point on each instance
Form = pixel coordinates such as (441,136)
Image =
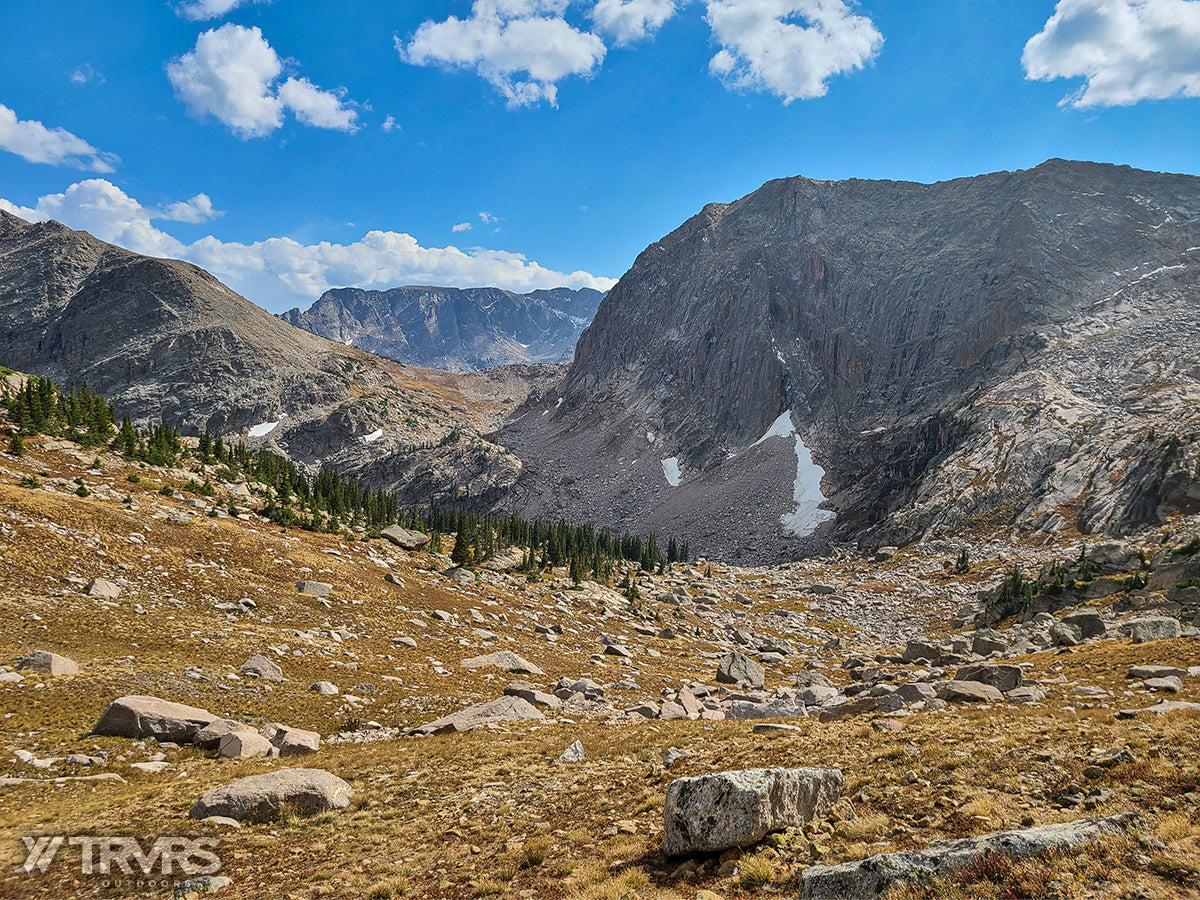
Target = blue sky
(292,146)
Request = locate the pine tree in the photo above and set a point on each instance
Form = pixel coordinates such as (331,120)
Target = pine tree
(17,445)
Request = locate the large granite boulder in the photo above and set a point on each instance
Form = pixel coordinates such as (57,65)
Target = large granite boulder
(502,659)
(502,709)
(1002,678)
(722,810)
(737,668)
(404,538)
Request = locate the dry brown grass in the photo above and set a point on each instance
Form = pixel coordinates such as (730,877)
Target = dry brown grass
(423,824)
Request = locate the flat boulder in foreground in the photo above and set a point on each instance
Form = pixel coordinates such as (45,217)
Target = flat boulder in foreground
(723,810)
(872,877)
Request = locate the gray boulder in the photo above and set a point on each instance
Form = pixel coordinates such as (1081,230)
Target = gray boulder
(292,741)
(47,663)
(1143,672)
(915,691)
(969,692)
(404,538)
(774,709)
(916,651)
(573,754)
(314,588)
(503,709)
(874,876)
(324,688)
(243,745)
(209,737)
(737,668)
(261,667)
(260,798)
(100,587)
(1002,678)
(1153,628)
(531,694)
(723,810)
(502,659)
(816,694)
(1064,634)
(1089,622)
(141,717)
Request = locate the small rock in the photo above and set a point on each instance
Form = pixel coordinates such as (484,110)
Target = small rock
(243,745)
(100,587)
(47,663)
(262,667)
(573,754)
(314,588)
(195,888)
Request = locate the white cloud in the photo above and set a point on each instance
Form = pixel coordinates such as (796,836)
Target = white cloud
(1126,50)
(789,48)
(203,10)
(231,75)
(461,226)
(390,124)
(282,272)
(313,106)
(85,73)
(198,209)
(521,47)
(631,20)
(34,142)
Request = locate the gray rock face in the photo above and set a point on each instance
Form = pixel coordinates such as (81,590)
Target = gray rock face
(531,694)
(454,329)
(314,588)
(774,709)
(261,667)
(874,876)
(404,538)
(140,717)
(1153,628)
(879,307)
(502,659)
(503,709)
(737,668)
(260,798)
(47,663)
(736,809)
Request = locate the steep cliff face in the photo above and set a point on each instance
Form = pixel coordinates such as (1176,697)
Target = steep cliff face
(449,328)
(878,315)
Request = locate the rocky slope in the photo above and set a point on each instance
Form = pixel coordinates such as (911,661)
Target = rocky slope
(449,328)
(1021,348)
(166,341)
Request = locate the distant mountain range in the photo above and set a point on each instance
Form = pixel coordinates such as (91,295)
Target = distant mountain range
(166,341)
(451,328)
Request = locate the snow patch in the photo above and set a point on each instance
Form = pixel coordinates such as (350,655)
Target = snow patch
(262,429)
(781,427)
(671,471)
(650,436)
(806,494)
(373,436)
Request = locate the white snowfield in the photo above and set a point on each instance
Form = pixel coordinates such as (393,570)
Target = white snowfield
(373,436)
(671,470)
(806,491)
(262,429)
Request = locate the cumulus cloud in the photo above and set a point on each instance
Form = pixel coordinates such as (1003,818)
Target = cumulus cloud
(203,10)
(231,74)
(390,124)
(631,20)
(34,142)
(282,272)
(1126,50)
(789,48)
(198,209)
(521,47)
(461,226)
